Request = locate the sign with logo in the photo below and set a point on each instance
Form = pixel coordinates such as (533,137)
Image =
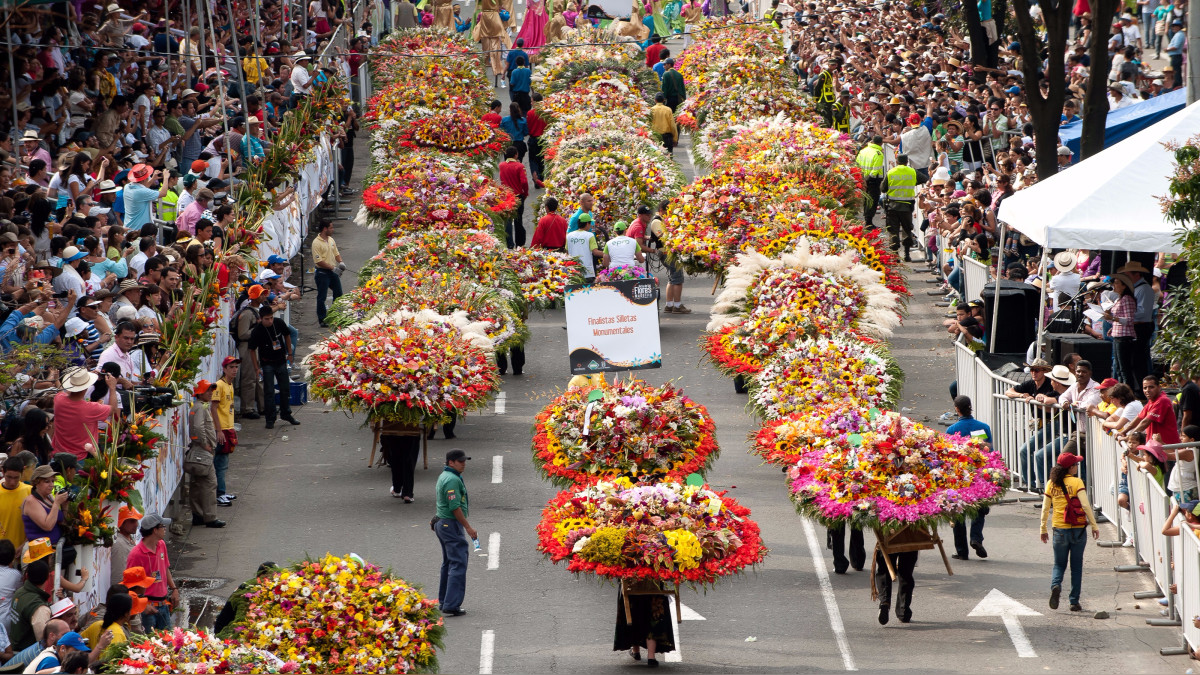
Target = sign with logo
(613,326)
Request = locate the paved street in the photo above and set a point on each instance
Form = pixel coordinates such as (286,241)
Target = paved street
(307,490)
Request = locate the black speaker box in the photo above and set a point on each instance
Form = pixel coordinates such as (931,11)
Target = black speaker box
(1111,261)
(1098,352)
(1016,324)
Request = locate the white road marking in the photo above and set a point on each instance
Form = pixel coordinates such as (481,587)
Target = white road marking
(690,614)
(493,552)
(497,468)
(998,604)
(487,648)
(501,403)
(677,655)
(831,606)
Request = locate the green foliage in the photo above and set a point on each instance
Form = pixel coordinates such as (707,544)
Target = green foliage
(1179,340)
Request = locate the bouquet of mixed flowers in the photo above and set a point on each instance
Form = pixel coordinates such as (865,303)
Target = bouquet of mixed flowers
(455,131)
(894,473)
(685,534)
(412,367)
(784,440)
(731,105)
(180,651)
(543,275)
(717,43)
(832,293)
(473,253)
(840,371)
(782,230)
(599,98)
(779,140)
(432,84)
(620,180)
(416,196)
(621,273)
(583,123)
(392,60)
(340,615)
(564,74)
(628,428)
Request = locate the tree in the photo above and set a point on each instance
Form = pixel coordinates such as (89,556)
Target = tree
(1176,342)
(1044,108)
(982,53)
(1095,100)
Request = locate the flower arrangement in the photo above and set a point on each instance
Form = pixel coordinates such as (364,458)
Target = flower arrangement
(340,615)
(779,140)
(412,197)
(783,440)
(412,367)
(195,651)
(543,275)
(832,292)
(627,428)
(896,472)
(599,97)
(432,84)
(685,534)
(731,104)
(621,181)
(838,371)
(392,60)
(621,273)
(455,131)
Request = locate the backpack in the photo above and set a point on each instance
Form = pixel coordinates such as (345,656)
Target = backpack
(233,322)
(1074,513)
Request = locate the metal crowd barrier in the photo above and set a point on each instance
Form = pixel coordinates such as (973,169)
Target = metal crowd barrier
(975,277)
(1017,435)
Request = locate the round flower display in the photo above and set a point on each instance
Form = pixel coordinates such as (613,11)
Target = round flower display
(628,428)
(180,651)
(669,532)
(621,273)
(895,473)
(456,131)
(782,441)
(826,371)
(416,197)
(341,615)
(543,275)
(415,368)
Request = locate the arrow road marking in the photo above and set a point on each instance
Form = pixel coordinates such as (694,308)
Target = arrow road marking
(998,604)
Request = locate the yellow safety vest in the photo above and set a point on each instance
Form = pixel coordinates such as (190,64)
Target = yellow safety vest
(870,160)
(825,87)
(902,184)
(841,118)
(166,210)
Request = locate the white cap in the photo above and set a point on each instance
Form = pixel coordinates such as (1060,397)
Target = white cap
(267,274)
(75,326)
(126,312)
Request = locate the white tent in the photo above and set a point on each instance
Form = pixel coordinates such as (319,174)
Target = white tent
(1109,201)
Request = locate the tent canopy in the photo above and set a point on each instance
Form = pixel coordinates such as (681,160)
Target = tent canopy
(1109,201)
(1123,123)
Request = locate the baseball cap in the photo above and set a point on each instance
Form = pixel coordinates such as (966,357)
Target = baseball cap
(202,387)
(267,275)
(620,226)
(1109,382)
(276,259)
(255,291)
(456,455)
(229,359)
(199,166)
(126,513)
(1192,507)
(1067,460)
(153,520)
(1064,151)
(585,218)
(74,641)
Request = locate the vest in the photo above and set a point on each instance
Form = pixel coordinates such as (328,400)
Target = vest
(825,88)
(578,246)
(870,160)
(26,601)
(166,210)
(902,184)
(841,118)
(621,250)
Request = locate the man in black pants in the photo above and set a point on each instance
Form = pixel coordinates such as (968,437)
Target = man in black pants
(835,539)
(401,446)
(270,351)
(517,353)
(904,563)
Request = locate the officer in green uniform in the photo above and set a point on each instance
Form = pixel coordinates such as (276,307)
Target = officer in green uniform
(450,524)
(870,161)
(901,190)
(841,113)
(823,91)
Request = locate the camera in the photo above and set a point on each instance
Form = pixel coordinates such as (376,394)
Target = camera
(147,398)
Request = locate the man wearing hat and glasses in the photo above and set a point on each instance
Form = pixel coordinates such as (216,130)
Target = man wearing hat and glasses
(69,280)
(449,524)
(77,420)
(31,143)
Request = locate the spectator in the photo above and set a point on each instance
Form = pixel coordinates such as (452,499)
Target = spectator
(1157,418)
(329,267)
(140,194)
(127,523)
(150,554)
(79,419)
(32,607)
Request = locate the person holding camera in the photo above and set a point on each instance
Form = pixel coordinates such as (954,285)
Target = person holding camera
(199,460)
(77,419)
(120,352)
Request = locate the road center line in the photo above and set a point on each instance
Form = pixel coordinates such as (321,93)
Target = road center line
(497,468)
(493,551)
(831,606)
(501,403)
(487,648)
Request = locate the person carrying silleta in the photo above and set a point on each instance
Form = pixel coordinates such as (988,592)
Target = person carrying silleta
(904,562)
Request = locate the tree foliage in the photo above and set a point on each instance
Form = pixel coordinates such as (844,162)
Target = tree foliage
(1179,339)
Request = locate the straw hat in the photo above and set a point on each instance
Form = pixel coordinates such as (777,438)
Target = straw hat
(1064,261)
(76,379)
(1062,375)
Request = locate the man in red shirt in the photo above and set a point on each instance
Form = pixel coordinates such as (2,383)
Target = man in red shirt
(551,230)
(652,51)
(512,175)
(78,419)
(1157,418)
(637,229)
(151,555)
(493,118)
(537,126)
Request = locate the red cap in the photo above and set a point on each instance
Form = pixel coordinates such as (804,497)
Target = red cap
(1066,460)
(199,166)
(1109,382)
(138,27)
(201,87)
(914,119)
(230,359)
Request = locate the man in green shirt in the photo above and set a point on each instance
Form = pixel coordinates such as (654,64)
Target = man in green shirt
(672,85)
(449,524)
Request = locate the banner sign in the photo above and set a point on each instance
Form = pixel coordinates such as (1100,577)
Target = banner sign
(613,326)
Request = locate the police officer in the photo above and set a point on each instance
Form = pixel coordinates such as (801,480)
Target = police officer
(824,86)
(870,161)
(450,523)
(901,189)
(841,113)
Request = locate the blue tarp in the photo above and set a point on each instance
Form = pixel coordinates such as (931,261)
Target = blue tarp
(1127,121)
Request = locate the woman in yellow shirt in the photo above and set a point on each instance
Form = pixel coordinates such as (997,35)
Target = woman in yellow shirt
(111,630)
(1070,538)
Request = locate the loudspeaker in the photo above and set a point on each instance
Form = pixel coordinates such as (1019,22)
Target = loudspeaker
(1111,261)
(1016,323)
(1098,352)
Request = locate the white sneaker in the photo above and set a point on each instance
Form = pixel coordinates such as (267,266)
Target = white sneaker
(1128,543)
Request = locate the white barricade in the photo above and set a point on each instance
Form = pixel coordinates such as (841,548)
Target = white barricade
(1103,462)
(1188,568)
(975,277)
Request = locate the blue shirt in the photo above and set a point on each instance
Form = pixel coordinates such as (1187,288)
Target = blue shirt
(1175,48)
(517,130)
(573,221)
(985,10)
(511,58)
(118,205)
(251,147)
(660,68)
(966,425)
(519,79)
(8,331)
(138,199)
